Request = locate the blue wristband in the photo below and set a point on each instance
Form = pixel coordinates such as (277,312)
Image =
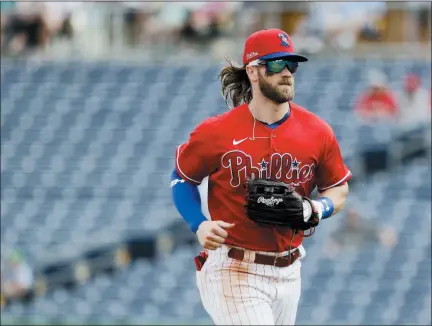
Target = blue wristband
(328,206)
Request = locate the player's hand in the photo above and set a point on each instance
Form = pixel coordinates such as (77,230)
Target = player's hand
(212,234)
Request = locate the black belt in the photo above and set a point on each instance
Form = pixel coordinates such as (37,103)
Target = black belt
(281,261)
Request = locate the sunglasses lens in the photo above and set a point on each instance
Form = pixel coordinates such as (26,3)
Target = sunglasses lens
(277,66)
(292,66)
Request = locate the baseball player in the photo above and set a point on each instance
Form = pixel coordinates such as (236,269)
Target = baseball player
(263,159)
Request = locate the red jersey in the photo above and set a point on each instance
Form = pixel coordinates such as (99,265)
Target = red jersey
(301,151)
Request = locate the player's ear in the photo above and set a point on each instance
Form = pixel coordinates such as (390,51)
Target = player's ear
(252,73)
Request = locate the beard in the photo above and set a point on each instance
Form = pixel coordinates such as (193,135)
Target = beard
(277,93)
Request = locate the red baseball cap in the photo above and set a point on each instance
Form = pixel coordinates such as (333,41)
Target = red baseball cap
(270,44)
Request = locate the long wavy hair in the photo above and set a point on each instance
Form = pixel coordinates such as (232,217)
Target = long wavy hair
(235,84)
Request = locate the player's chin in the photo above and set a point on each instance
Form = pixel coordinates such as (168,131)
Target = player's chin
(289,95)
(286,97)
(286,91)
(281,100)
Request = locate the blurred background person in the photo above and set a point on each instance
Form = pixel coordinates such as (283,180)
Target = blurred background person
(31,26)
(419,20)
(339,25)
(25,28)
(358,233)
(378,102)
(200,26)
(195,24)
(137,18)
(414,102)
(16,276)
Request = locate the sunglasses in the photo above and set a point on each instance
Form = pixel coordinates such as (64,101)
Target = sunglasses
(277,66)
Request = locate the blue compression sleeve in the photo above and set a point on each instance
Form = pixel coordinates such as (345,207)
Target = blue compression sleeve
(187,200)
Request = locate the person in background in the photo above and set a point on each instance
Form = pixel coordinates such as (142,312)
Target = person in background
(414,101)
(24,29)
(139,22)
(358,233)
(207,23)
(378,102)
(16,277)
(31,26)
(339,25)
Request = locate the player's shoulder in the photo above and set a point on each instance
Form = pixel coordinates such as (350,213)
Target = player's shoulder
(223,120)
(309,118)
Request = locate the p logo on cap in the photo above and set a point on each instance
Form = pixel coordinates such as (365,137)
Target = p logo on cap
(284,39)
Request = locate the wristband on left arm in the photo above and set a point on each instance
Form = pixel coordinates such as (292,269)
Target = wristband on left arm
(325,205)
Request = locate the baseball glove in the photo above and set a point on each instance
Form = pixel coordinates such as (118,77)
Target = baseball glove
(276,203)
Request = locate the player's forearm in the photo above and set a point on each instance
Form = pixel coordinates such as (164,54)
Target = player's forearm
(337,196)
(187,201)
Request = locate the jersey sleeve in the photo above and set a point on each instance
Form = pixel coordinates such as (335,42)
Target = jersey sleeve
(197,158)
(331,171)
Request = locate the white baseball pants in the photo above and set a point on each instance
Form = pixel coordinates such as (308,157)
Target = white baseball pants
(244,293)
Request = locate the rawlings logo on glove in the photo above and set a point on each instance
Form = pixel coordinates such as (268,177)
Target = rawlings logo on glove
(269,201)
(275,203)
